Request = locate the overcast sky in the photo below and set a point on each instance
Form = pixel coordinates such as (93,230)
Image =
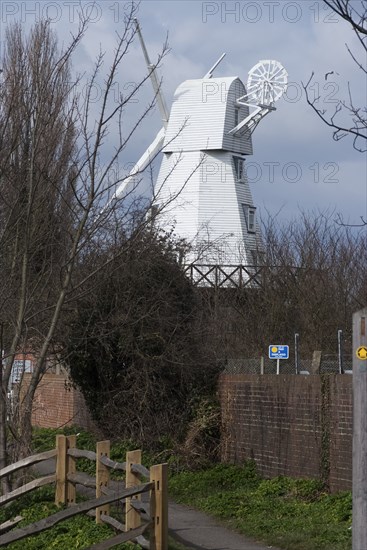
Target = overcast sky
(295,163)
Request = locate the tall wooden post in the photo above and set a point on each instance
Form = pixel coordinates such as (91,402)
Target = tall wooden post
(359,526)
(61,458)
(132,517)
(102,477)
(65,491)
(70,469)
(159,507)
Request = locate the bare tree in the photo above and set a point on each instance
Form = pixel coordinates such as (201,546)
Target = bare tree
(348,118)
(313,276)
(38,147)
(54,191)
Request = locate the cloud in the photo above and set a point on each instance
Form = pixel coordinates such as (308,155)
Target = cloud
(302,35)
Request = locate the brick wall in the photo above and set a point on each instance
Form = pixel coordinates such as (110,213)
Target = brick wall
(299,426)
(56,404)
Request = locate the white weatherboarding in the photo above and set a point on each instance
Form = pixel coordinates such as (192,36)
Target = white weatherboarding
(202,186)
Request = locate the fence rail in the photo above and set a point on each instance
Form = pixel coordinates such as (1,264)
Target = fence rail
(29,461)
(225,276)
(139,517)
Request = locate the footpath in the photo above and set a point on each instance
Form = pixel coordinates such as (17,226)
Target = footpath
(192,528)
(196,530)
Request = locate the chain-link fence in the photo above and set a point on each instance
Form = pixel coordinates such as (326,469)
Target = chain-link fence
(314,361)
(329,364)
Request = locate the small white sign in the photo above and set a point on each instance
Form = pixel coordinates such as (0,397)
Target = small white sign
(19,368)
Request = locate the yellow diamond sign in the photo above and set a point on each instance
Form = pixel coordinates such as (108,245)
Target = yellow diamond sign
(361,353)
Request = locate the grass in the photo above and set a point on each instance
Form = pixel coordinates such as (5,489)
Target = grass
(291,514)
(44,439)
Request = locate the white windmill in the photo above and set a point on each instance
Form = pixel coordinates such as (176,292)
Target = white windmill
(205,140)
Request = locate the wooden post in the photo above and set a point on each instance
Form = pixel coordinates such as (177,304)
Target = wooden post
(70,469)
(316,362)
(359,525)
(132,517)
(61,458)
(102,477)
(262,365)
(65,491)
(159,507)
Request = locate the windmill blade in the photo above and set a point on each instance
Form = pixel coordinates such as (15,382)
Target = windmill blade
(209,74)
(153,77)
(142,163)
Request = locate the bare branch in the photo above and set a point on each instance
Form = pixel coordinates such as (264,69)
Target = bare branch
(355,13)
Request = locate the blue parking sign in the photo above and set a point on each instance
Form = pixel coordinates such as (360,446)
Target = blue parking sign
(278,351)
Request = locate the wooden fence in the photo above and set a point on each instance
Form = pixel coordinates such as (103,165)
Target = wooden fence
(225,276)
(139,516)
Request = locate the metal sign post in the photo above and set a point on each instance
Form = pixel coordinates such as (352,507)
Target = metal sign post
(340,351)
(296,354)
(359,525)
